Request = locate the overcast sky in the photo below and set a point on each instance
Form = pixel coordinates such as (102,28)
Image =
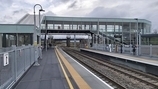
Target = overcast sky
(12,10)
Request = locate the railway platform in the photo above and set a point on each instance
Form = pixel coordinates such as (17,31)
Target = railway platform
(146,64)
(46,76)
(58,70)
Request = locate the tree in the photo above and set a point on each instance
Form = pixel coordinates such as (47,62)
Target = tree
(155,31)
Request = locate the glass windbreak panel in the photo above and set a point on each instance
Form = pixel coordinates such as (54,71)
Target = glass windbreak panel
(87,27)
(126,38)
(126,27)
(133,38)
(20,40)
(50,26)
(57,26)
(10,40)
(144,42)
(102,28)
(140,27)
(74,27)
(25,39)
(66,27)
(70,26)
(110,28)
(133,27)
(120,28)
(142,30)
(82,27)
(117,29)
(43,26)
(147,28)
(94,27)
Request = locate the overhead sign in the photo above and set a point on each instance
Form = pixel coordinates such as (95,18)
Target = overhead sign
(5,59)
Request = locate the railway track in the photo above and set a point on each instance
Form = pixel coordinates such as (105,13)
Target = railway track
(98,73)
(119,77)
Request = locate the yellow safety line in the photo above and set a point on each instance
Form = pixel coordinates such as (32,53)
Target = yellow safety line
(77,78)
(67,79)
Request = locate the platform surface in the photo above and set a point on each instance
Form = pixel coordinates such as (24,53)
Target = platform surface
(46,76)
(144,60)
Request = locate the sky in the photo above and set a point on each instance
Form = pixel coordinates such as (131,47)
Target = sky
(13,10)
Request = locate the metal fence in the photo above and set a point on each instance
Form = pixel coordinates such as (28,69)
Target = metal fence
(13,64)
(143,50)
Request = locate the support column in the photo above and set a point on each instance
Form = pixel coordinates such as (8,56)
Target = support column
(62,26)
(98,31)
(45,36)
(88,40)
(104,43)
(68,41)
(4,40)
(0,40)
(53,26)
(121,44)
(8,40)
(80,44)
(17,39)
(98,39)
(149,42)
(92,40)
(35,46)
(74,41)
(130,39)
(95,41)
(139,43)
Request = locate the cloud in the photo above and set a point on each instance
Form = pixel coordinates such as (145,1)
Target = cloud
(108,12)
(73,4)
(6,2)
(145,9)
(128,9)
(19,11)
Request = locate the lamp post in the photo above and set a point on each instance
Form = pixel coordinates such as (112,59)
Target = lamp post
(40,47)
(45,36)
(35,34)
(137,37)
(140,42)
(40,25)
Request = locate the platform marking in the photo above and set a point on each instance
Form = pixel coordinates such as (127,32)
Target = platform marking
(90,71)
(67,79)
(77,78)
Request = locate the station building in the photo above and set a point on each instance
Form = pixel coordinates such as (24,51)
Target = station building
(126,29)
(23,31)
